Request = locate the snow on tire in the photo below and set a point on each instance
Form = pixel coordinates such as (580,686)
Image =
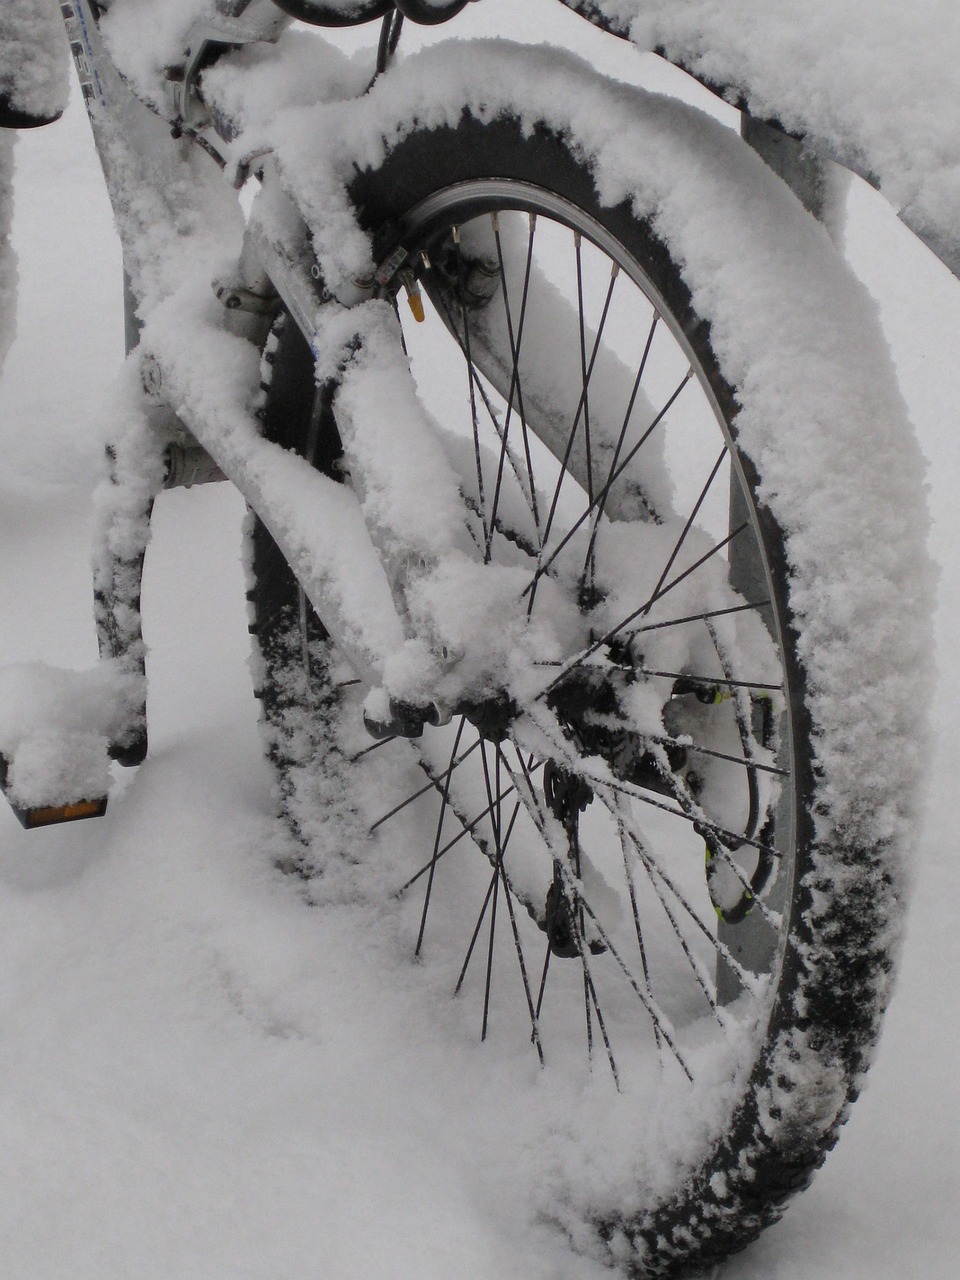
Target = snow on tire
(723,657)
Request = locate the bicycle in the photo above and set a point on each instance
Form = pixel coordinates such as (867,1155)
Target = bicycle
(701,566)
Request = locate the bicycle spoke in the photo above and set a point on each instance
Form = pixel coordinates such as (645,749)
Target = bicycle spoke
(436,842)
(471,375)
(630,791)
(433,783)
(585,378)
(467,828)
(743,713)
(476,932)
(665,589)
(688,525)
(584,654)
(706,681)
(591,996)
(652,864)
(614,632)
(524,482)
(587,374)
(508,896)
(655,873)
(577,925)
(497,870)
(374,746)
(489,974)
(543,979)
(516,390)
(621,439)
(657,877)
(698,617)
(747,762)
(655,1013)
(695,967)
(635,910)
(574,428)
(578,251)
(611,480)
(693,812)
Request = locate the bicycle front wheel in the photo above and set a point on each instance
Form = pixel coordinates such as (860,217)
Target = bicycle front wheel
(616,848)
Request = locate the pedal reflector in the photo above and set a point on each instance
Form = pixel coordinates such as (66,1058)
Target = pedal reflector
(49,815)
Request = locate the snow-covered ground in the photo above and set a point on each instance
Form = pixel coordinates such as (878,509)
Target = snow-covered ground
(203,1077)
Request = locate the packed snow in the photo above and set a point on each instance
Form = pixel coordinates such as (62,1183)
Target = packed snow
(185,1032)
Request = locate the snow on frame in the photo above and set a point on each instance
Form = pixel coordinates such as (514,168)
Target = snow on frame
(874,79)
(781,307)
(772,283)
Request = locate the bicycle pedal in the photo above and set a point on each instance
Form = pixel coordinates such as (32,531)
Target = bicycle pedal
(48,815)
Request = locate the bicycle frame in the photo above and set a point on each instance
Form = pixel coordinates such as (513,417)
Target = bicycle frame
(269,270)
(148,149)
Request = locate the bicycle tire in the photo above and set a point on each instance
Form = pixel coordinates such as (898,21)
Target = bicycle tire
(294,662)
(316,13)
(780,1125)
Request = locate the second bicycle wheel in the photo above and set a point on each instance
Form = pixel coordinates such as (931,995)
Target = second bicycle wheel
(608,850)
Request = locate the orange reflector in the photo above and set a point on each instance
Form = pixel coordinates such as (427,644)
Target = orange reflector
(416,306)
(49,815)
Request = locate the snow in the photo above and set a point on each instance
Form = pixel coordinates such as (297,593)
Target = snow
(778,315)
(168,24)
(55,727)
(33,58)
(8,265)
(315,520)
(780,311)
(203,1075)
(875,79)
